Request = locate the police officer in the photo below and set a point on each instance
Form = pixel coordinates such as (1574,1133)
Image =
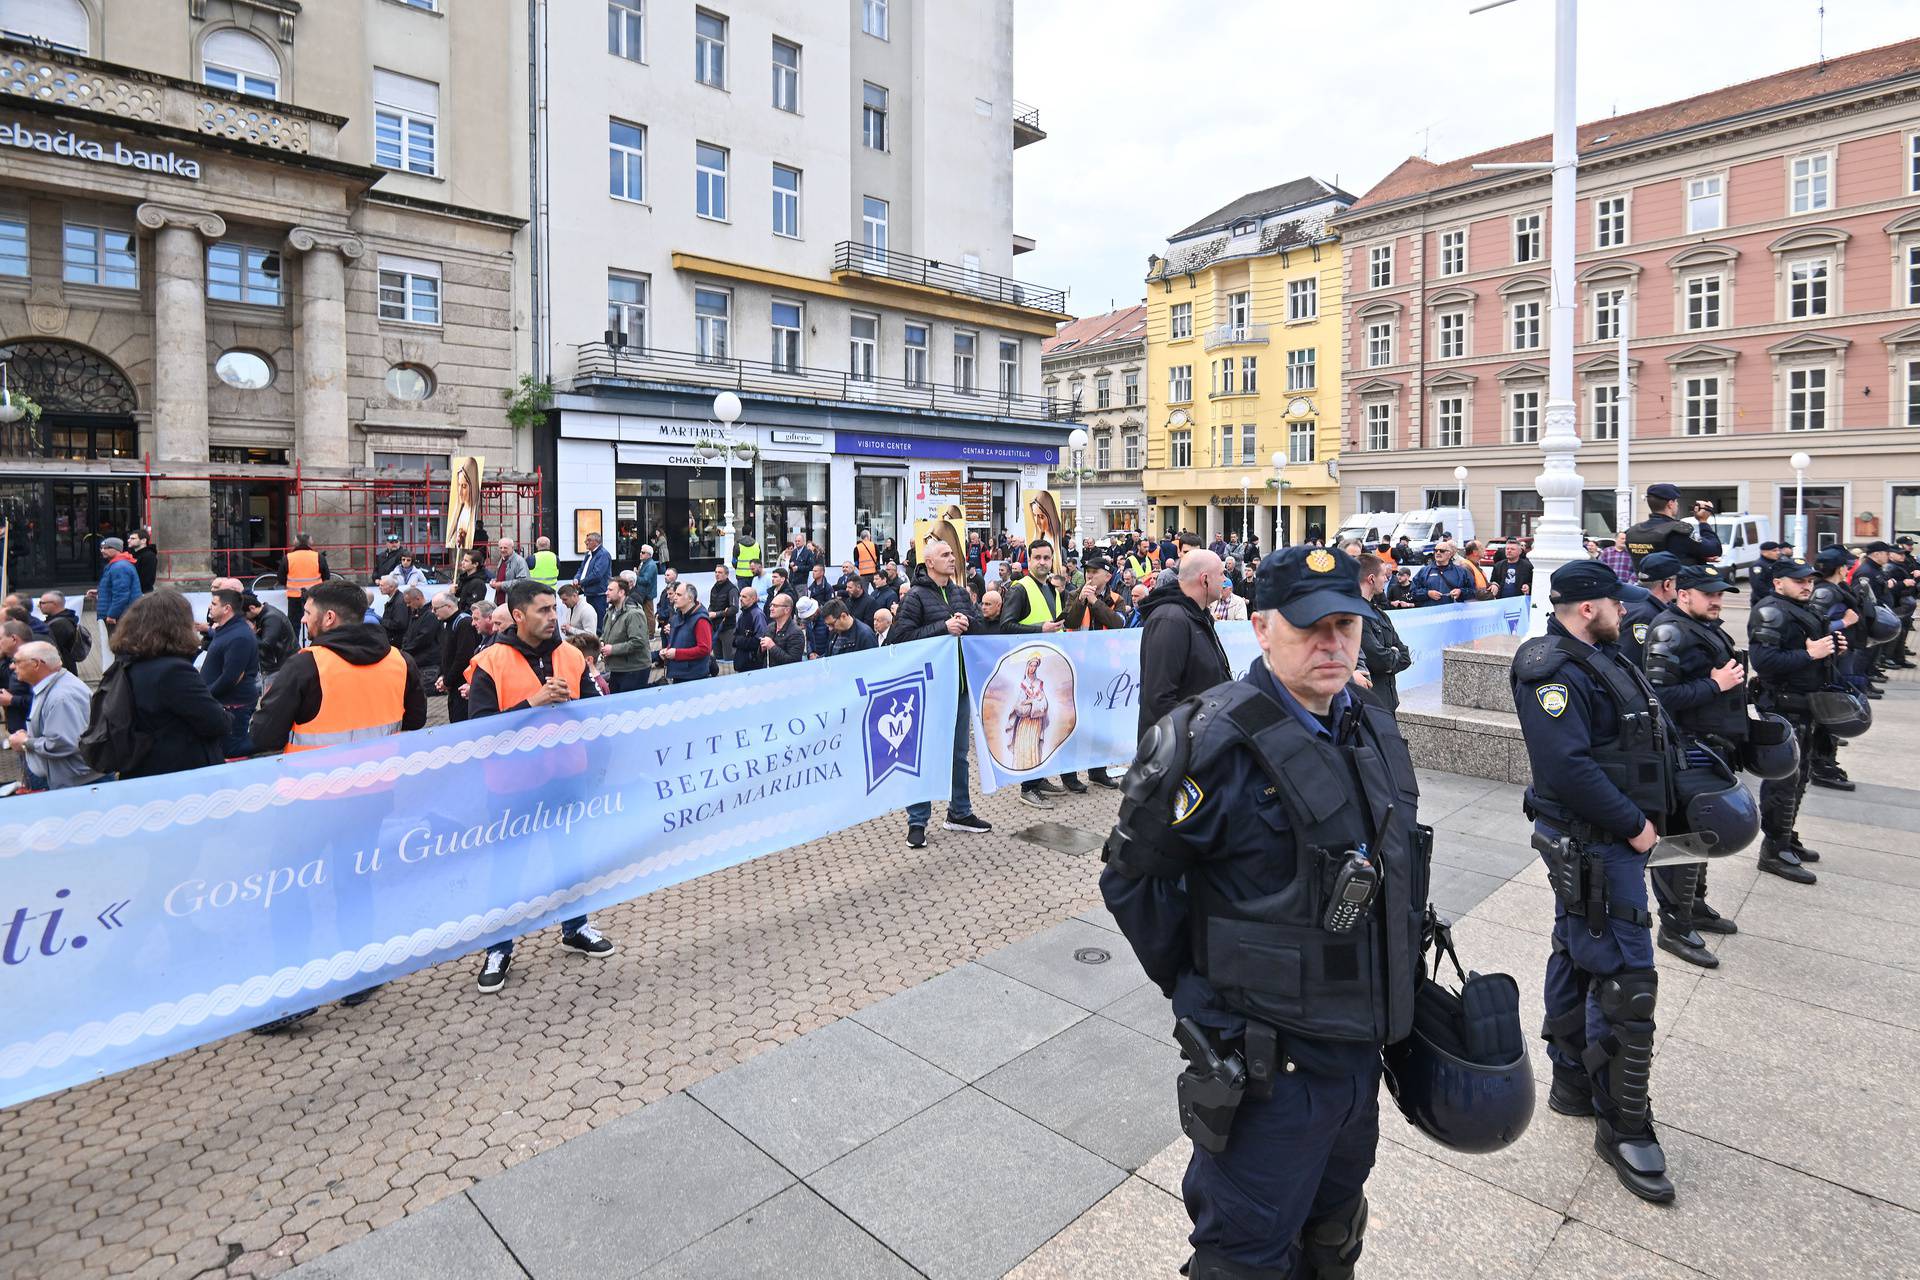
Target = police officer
(1833,601)
(1792,648)
(1644,603)
(1701,681)
(1904,577)
(1603,769)
(1760,573)
(1663,530)
(1275,815)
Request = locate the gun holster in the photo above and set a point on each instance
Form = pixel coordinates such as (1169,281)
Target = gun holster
(1209,1089)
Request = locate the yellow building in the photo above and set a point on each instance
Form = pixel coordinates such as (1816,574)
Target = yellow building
(1243,364)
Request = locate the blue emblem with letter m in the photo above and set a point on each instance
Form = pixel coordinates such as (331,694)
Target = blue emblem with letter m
(890,726)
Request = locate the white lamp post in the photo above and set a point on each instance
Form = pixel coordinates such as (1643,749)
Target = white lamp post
(1246,509)
(726,407)
(1279,487)
(1460,478)
(1800,462)
(1077,442)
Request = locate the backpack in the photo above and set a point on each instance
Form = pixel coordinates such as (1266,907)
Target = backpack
(82,642)
(110,743)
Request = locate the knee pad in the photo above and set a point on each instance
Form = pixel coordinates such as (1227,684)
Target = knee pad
(1629,997)
(1330,1245)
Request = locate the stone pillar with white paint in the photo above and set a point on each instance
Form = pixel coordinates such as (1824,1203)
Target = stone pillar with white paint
(182,508)
(322,441)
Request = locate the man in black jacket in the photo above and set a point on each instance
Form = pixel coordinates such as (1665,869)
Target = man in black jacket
(938,605)
(459,639)
(721,607)
(1381,650)
(1180,654)
(63,628)
(421,638)
(784,642)
(275,632)
(750,624)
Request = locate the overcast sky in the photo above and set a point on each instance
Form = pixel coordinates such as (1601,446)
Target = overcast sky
(1158,112)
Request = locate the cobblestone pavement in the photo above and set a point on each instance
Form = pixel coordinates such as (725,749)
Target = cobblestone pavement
(249,1155)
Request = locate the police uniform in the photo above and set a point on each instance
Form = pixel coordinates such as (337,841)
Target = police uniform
(1243,818)
(1784,674)
(1831,602)
(1760,573)
(1641,606)
(1693,542)
(1603,768)
(1681,653)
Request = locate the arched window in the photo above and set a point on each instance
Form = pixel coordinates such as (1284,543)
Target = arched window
(60,23)
(232,59)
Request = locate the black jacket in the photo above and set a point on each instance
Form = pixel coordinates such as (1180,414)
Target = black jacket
(422,638)
(471,589)
(187,725)
(789,645)
(63,630)
(1180,653)
(484,700)
(925,608)
(146,564)
(1386,656)
(295,695)
(458,643)
(276,638)
(723,598)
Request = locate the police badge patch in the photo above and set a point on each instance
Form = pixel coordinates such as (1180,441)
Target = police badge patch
(1320,561)
(1640,633)
(1185,800)
(1553,698)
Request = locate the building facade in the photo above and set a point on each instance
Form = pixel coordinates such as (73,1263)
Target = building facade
(253,258)
(1242,361)
(809,206)
(1761,246)
(1098,368)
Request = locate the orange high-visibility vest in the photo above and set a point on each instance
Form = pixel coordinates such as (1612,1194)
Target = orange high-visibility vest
(303,571)
(513,679)
(866,559)
(356,703)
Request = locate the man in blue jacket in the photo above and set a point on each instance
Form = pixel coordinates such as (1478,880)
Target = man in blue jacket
(1445,581)
(232,667)
(596,571)
(646,584)
(119,582)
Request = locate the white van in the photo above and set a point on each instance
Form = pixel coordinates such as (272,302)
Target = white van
(1369,526)
(1741,533)
(1423,528)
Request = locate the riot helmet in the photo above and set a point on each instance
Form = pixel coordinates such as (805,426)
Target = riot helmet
(1841,712)
(1882,625)
(1771,749)
(1713,814)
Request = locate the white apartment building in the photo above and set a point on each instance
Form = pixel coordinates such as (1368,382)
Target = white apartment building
(809,204)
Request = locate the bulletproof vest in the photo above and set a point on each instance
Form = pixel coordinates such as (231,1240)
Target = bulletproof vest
(1633,631)
(1779,623)
(1651,535)
(1639,758)
(1271,958)
(1831,600)
(1681,648)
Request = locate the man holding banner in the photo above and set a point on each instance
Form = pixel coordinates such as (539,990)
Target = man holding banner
(1031,606)
(937,605)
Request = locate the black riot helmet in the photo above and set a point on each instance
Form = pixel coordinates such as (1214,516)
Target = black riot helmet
(1841,712)
(1771,750)
(1462,1076)
(1713,814)
(1883,624)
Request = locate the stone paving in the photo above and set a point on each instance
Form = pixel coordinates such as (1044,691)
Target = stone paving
(1012,1115)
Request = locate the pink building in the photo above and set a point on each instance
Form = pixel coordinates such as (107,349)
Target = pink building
(1762,245)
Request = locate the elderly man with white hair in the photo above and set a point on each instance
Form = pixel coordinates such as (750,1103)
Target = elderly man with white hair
(50,744)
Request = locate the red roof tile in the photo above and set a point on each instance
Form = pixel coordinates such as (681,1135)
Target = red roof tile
(1415,176)
(1129,324)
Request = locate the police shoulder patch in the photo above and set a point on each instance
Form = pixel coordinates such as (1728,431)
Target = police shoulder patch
(1186,798)
(1553,698)
(1640,633)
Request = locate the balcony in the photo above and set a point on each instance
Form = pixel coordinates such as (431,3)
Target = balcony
(853,258)
(1026,125)
(1237,335)
(608,366)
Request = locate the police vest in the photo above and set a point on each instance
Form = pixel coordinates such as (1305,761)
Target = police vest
(1779,623)
(1633,630)
(1038,607)
(303,571)
(1653,533)
(514,679)
(545,568)
(356,703)
(866,559)
(1639,758)
(1680,648)
(1272,959)
(743,557)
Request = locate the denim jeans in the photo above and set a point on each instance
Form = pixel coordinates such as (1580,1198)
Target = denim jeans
(566,927)
(959,802)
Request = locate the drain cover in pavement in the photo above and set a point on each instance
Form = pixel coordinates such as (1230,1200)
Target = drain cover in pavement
(1061,838)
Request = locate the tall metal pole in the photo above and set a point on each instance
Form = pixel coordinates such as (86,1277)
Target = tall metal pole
(1558,538)
(1623,422)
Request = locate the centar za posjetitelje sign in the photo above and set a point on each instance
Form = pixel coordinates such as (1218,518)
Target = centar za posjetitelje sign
(65,142)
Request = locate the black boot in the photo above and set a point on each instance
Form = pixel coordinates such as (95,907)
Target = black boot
(1800,850)
(1637,1160)
(1707,920)
(1686,944)
(1572,1092)
(1832,777)
(1778,858)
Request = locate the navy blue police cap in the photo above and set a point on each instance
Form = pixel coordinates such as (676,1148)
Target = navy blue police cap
(1831,558)
(1659,566)
(1786,568)
(1579,580)
(1307,584)
(1703,577)
(1664,492)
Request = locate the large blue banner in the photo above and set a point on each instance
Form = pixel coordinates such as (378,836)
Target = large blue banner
(149,916)
(1066,701)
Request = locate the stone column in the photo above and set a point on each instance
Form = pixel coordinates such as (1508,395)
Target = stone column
(323,443)
(182,509)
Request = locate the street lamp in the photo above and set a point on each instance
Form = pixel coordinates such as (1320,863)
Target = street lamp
(1077,442)
(1278,483)
(1246,509)
(726,407)
(1460,478)
(1800,462)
